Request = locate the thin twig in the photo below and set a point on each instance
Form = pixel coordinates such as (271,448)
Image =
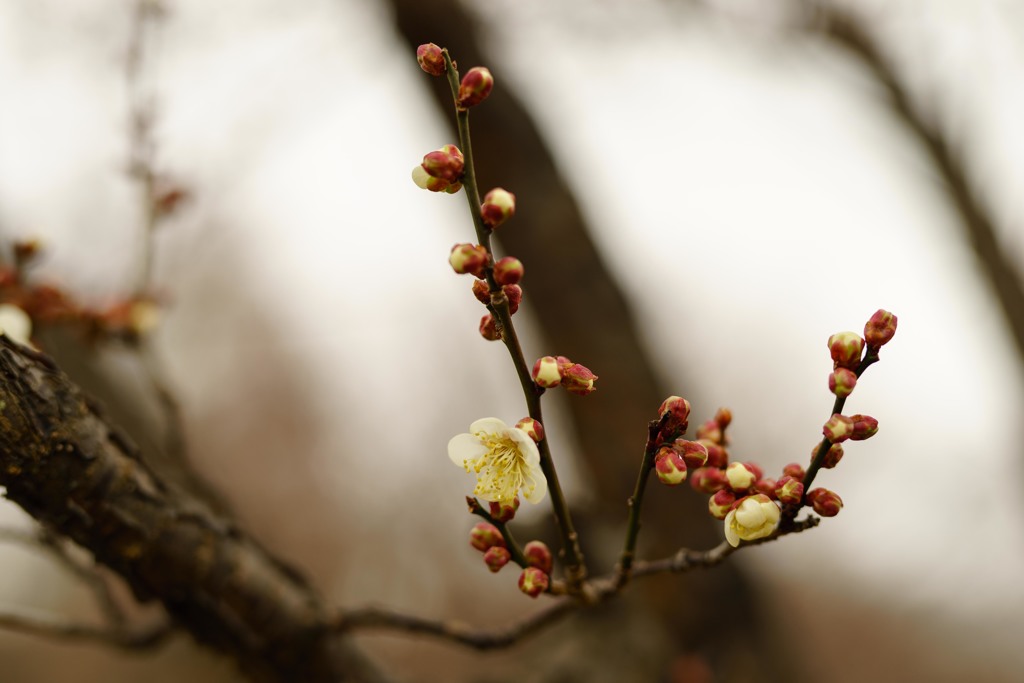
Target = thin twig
(576,570)
(120,637)
(601,590)
(455,631)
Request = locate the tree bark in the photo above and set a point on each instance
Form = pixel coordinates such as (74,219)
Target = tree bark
(79,475)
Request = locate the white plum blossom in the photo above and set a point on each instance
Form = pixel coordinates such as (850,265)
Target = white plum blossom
(755,517)
(505,460)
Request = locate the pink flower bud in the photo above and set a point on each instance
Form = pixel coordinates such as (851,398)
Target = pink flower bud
(533,581)
(430,59)
(826,503)
(708,480)
(720,503)
(723,418)
(756,469)
(880,328)
(468,258)
(670,466)
(514,294)
(864,427)
(482,291)
(537,555)
(489,328)
(789,490)
(503,512)
(841,382)
(429,182)
(499,205)
(794,470)
(546,373)
(534,429)
(453,188)
(445,163)
(765,486)
(694,453)
(579,380)
(484,536)
(846,349)
(475,87)
(740,477)
(718,455)
(711,431)
(832,456)
(496,558)
(678,410)
(508,271)
(838,428)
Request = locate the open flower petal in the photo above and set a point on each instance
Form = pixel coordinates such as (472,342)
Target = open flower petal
(505,460)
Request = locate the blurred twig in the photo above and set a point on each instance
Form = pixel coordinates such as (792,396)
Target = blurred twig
(851,33)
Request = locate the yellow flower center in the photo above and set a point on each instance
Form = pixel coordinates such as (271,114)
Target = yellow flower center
(500,472)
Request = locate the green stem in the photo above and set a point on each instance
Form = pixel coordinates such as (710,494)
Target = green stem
(576,571)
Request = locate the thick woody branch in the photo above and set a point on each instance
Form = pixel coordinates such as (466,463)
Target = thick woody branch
(79,476)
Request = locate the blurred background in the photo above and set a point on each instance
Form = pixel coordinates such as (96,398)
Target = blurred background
(706,191)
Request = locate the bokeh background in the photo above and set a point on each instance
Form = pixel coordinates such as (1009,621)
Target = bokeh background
(748,188)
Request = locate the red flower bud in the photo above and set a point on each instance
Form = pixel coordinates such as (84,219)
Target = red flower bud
(537,555)
(446,163)
(546,373)
(578,379)
(789,490)
(496,558)
(841,382)
(504,513)
(468,258)
(533,581)
(826,503)
(838,428)
(832,456)
(430,59)
(720,503)
(796,471)
(766,486)
(482,291)
(880,328)
(694,453)
(499,205)
(489,328)
(533,428)
(864,427)
(711,431)
(475,87)
(718,455)
(678,411)
(846,349)
(514,294)
(708,480)
(723,417)
(508,271)
(670,466)
(484,536)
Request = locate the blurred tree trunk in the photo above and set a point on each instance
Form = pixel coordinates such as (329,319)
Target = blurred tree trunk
(585,316)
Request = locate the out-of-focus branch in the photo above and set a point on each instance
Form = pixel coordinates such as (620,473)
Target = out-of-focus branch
(850,32)
(73,471)
(136,638)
